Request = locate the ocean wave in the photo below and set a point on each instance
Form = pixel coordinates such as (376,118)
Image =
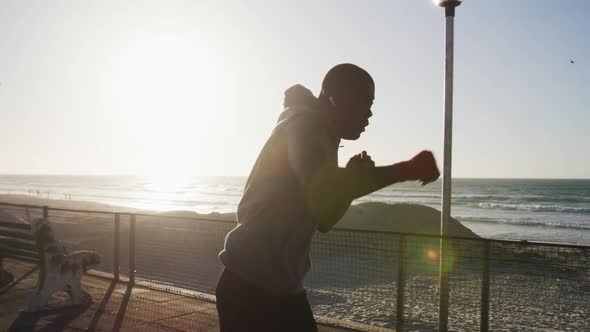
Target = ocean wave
(554,199)
(534,208)
(223,194)
(402,195)
(479,198)
(525,222)
(517,198)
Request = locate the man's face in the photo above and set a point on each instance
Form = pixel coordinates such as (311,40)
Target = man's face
(353,110)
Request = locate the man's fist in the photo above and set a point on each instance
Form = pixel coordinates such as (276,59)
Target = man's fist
(422,167)
(360,160)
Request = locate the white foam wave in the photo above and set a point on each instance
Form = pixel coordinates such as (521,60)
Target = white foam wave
(533,208)
(526,222)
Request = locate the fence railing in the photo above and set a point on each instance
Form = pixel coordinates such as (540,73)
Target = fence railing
(383,279)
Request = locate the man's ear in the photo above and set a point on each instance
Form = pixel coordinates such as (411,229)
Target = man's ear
(332,101)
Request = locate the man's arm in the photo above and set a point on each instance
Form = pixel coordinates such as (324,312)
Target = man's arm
(333,189)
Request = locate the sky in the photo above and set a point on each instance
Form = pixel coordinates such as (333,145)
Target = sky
(195,87)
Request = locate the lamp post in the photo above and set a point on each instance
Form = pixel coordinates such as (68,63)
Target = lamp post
(449,6)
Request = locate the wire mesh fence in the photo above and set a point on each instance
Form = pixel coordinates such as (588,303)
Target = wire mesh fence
(21,212)
(180,252)
(86,231)
(358,278)
(353,277)
(466,277)
(536,286)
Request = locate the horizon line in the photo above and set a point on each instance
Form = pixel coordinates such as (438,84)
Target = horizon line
(194,175)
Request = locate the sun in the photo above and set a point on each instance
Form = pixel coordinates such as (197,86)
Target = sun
(166,183)
(167,85)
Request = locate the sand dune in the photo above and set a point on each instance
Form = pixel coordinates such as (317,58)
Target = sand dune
(408,218)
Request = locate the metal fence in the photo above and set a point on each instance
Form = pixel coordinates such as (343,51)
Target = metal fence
(358,278)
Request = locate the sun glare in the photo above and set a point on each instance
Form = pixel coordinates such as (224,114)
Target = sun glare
(167,85)
(166,183)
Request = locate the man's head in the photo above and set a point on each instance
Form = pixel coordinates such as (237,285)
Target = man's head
(348,91)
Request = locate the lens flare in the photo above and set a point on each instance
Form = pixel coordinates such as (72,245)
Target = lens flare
(430,255)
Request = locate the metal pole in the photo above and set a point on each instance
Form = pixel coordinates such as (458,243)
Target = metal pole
(116,265)
(401,285)
(447,162)
(46,212)
(132,249)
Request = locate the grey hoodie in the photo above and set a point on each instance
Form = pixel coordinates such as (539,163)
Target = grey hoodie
(270,245)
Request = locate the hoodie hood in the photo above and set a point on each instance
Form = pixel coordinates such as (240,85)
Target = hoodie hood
(297,99)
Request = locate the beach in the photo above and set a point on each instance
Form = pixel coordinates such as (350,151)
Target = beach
(354,272)
(145,132)
(523,209)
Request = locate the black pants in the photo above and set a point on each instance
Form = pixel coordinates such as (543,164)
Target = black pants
(245,307)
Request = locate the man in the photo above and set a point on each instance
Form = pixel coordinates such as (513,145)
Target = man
(294,188)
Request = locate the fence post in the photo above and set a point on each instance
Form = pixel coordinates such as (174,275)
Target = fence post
(46,211)
(401,285)
(132,249)
(485,289)
(443,306)
(116,266)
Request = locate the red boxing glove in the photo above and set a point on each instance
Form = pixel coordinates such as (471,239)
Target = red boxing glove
(421,167)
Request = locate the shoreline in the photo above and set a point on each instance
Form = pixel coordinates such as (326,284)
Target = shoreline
(74,205)
(358,217)
(368,216)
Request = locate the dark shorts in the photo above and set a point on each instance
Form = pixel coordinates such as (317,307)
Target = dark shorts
(245,307)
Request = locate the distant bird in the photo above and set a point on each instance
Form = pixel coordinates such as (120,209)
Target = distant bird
(572,61)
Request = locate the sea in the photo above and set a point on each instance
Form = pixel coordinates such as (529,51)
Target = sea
(526,209)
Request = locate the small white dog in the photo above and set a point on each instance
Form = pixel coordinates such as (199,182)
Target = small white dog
(59,270)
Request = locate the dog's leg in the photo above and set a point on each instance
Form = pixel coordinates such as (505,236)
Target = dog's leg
(41,294)
(75,289)
(40,299)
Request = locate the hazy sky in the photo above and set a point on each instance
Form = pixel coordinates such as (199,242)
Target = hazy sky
(195,87)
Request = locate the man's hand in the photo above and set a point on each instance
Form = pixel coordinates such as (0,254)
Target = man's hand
(422,168)
(361,160)
(337,188)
